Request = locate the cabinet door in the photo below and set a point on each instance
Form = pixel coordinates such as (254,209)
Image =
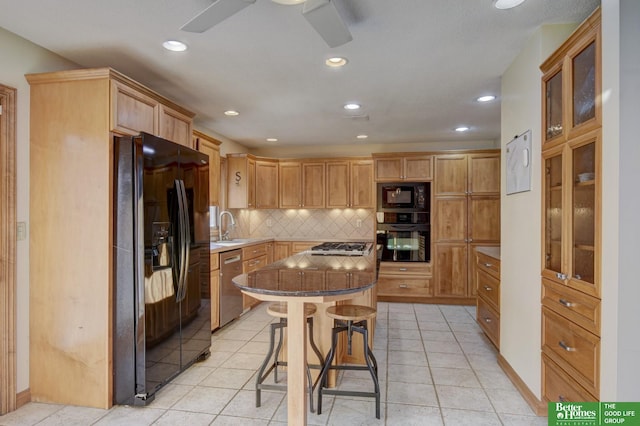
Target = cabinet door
(484,219)
(451,174)
(313,183)
(552,106)
(290,185)
(362,193)
(337,190)
(215,299)
(213,151)
(417,168)
(281,250)
(583,215)
(131,111)
(175,126)
(388,169)
(552,232)
(251,184)
(450,219)
(451,269)
(266,180)
(484,174)
(585,84)
(240,177)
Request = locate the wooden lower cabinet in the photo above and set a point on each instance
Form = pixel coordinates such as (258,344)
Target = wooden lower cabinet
(573,348)
(451,269)
(487,279)
(281,250)
(404,281)
(557,385)
(253,257)
(214,279)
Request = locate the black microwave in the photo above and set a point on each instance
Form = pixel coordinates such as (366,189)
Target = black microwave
(399,196)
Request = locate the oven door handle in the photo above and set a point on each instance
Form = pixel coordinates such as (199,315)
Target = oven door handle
(408,227)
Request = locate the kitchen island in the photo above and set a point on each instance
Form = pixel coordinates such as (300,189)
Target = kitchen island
(307,278)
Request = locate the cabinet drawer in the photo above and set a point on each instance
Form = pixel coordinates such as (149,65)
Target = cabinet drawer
(573,348)
(489,321)
(576,306)
(214,261)
(488,264)
(489,289)
(254,251)
(399,285)
(253,264)
(401,268)
(558,386)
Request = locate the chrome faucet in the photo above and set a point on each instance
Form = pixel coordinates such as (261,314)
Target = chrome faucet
(225,236)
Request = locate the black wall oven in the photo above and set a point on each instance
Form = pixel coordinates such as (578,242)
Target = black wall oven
(403,221)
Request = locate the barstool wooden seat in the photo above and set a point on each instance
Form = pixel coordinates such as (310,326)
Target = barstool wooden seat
(349,319)
(279,310)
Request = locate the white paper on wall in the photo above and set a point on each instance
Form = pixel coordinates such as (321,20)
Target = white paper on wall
(519,163)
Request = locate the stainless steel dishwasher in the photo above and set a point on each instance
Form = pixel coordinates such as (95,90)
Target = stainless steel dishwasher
(230,295)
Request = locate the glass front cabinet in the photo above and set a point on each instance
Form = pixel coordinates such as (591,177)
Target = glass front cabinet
(571,230)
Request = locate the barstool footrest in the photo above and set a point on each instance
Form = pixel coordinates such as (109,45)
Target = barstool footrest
(348,393)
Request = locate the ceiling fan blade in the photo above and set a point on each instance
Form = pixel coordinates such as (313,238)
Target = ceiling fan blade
(325,19)
(214,14)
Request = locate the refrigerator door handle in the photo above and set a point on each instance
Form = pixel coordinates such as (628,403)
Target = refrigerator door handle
(181,261)
(185,238)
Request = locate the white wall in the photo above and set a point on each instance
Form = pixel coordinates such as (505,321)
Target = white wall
(521,213)
(20,57)
(620,370)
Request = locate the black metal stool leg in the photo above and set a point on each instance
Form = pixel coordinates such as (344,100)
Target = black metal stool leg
(327,364)
(260,377)
(282,324)
(368,358)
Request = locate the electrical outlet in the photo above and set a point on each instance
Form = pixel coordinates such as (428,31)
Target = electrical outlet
(269,223)
(358,223)
(21,231)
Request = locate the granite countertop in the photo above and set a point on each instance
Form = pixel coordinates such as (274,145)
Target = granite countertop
(220,246)
(491,251)
(305,275)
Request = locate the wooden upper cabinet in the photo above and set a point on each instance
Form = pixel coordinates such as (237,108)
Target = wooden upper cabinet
(450,219)
(570,83)
(313,181)
(362,185)
(350,184)
(484,174)
(240,181)
(403,168)
(211,147)
(451,174)
(484,219)
(175,126)
(135,109)
(266,184)
(132,112)
(290,184)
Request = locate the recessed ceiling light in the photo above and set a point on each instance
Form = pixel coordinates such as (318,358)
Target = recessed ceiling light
(486,98)
(231,113)
(352,107)
(272,139)
(362,136)
(288,2)
(174,46)
(462,129)
(336,62)
(507,4)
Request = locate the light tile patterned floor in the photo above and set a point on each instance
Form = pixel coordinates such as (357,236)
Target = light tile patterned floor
(435,368)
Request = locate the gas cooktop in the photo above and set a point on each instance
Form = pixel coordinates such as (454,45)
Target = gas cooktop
(342,249)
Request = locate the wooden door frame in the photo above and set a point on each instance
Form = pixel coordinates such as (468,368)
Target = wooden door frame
(8,249)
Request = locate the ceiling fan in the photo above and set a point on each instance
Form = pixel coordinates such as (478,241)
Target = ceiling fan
(321,14)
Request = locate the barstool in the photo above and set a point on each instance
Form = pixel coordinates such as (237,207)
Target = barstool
(279,310)
(350,318)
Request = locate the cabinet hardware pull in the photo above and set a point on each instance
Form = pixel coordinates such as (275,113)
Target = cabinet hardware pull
(403,286)
(487,319)
(562,398)
(402,269)
(561,276)
(565,303)
(564,346)
(487,288)
(488,265)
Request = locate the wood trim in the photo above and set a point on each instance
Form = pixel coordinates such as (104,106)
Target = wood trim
(538,407)
(23,398)
(8,250)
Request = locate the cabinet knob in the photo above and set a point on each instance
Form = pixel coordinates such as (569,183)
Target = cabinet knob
(487,288)
(487,319)
(488,265)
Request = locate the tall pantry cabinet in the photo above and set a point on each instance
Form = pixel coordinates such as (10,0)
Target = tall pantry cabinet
(465,214)
(571,243)
(74,116)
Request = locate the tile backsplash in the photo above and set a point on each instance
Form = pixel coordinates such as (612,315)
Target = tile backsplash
(310,224)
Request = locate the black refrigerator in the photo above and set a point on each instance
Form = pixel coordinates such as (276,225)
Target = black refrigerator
(162,322)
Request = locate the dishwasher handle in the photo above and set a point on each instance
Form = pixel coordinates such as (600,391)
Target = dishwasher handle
(232,259)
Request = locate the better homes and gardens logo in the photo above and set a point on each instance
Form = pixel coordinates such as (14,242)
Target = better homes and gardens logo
(594,413)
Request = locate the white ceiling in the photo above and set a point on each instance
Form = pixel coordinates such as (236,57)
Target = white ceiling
(416,66)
